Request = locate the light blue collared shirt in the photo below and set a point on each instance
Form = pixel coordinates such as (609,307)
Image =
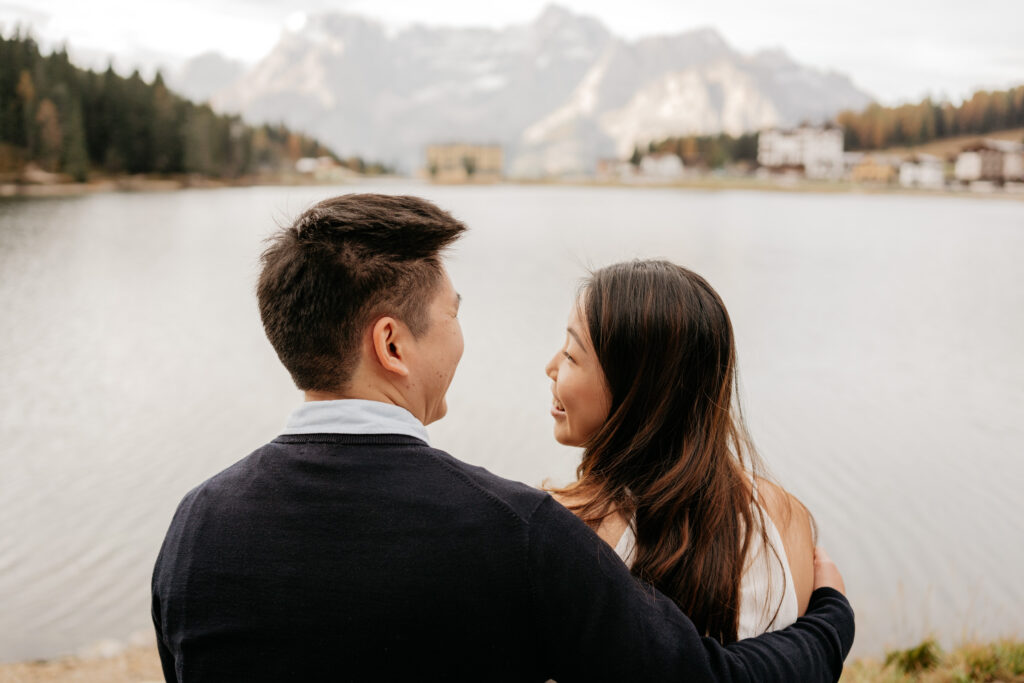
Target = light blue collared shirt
(354,416)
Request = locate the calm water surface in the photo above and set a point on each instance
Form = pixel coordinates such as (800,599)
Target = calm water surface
(881,345)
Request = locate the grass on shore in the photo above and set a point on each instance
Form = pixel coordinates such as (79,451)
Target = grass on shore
(1001,661)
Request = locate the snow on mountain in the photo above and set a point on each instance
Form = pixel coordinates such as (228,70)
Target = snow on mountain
(802,93)
(557,93)
(202,76)
(719,98)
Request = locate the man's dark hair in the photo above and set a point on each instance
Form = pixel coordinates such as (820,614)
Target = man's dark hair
(343,263)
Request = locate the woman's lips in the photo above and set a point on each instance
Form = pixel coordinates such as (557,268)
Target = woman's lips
(556,409)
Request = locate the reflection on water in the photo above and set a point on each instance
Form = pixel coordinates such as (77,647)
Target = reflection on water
(881,349)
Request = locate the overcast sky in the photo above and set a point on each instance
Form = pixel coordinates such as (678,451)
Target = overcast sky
(897,50)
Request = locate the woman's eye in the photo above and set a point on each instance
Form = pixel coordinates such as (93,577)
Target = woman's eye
(566,354)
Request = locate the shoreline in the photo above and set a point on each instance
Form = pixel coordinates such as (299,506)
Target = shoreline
(781,185)
(131,184)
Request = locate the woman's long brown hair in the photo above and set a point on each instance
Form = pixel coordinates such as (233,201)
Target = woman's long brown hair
(674,450)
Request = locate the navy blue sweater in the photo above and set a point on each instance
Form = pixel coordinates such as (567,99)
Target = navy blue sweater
(377,558)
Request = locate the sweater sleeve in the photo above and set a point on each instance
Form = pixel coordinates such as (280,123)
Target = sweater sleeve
(166,657)
(595,622)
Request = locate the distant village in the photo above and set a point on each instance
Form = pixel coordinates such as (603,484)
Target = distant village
(786,155)
(817,154)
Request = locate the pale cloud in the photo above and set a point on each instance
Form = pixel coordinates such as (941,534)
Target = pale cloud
(14,13)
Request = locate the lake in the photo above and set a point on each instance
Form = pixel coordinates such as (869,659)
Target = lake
(881,357)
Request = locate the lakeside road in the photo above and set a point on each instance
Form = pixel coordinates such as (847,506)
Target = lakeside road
(709,183)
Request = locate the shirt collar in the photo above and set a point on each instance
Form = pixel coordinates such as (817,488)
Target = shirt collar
(354,416)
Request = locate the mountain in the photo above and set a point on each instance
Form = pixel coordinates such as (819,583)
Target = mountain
(202,76)
(557,93)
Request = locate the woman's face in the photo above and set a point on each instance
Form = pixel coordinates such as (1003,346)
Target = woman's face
(581,396)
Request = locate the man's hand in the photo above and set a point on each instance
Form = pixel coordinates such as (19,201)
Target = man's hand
(826,573)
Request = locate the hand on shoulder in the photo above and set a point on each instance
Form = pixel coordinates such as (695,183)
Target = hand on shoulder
(826,573)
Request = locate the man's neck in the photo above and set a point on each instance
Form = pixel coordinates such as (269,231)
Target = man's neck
(315,395)
(366,393)
(336,414)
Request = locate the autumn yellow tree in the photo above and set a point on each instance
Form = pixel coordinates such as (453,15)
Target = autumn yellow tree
(50,135)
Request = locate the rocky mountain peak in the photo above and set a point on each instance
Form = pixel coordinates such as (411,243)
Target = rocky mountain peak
(557,92)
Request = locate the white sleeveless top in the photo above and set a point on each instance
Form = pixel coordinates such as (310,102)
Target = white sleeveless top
(762,583)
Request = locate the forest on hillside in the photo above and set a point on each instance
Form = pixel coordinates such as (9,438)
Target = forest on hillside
(79,123)
(878,127)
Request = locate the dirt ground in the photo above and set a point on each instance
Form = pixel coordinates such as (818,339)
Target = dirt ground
(134,665)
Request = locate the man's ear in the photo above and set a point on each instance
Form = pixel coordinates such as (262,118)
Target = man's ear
(388,337)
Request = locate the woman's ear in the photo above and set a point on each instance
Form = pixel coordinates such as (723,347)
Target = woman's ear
(388,339)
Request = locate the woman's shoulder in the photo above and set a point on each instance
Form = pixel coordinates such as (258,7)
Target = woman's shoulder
(614,529)
(793,521)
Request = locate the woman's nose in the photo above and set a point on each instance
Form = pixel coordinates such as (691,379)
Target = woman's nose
(551,369)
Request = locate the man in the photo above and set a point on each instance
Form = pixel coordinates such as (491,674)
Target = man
(348,549)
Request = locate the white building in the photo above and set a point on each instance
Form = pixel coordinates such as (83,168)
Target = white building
(923,170)
(323,169)
(462,162)
(661,166)
(818,151)
(614,169)
(990,160)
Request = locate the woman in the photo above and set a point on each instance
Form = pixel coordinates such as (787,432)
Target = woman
(645,383)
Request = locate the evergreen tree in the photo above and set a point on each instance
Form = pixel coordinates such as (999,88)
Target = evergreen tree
(75,157)
(74,121)
(164,130)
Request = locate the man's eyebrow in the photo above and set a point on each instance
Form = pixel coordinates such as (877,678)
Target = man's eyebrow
(576,337)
